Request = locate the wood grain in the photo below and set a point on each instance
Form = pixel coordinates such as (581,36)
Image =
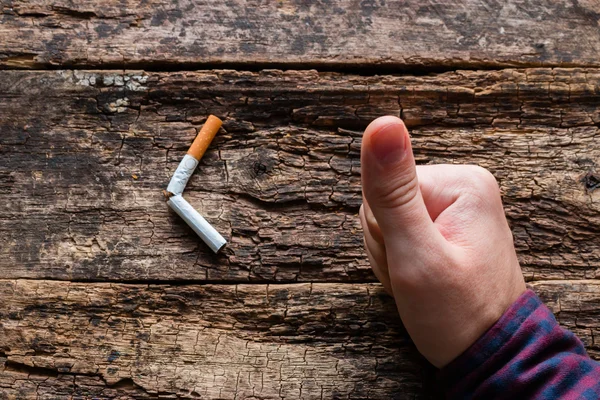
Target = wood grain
(322,34)
(85,156)
(223,341)
(107,294)
(299,341)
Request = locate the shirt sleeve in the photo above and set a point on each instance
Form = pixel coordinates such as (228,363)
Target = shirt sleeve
(525,355)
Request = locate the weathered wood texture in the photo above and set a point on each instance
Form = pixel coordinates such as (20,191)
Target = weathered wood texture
(299,341)
(85,155)
(246,341)
(396,33)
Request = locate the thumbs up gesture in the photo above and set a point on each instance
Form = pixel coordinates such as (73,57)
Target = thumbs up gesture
(438,240)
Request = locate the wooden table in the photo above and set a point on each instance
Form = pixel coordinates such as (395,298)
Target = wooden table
(104,292)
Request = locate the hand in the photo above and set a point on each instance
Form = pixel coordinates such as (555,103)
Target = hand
(438,241)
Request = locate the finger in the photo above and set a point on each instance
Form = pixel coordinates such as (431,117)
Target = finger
(382,275)
(376,254)
(391,186)
(372,224)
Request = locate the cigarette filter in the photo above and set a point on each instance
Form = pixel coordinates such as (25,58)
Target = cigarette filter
(205,136)
(205,230)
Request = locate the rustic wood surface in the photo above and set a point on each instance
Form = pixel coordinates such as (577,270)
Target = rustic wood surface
(105,293)
(85,156)
(298,341)
(324,33)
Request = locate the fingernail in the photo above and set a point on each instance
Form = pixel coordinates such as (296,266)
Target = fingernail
(389,143)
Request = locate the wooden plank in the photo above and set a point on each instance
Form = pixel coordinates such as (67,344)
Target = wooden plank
(324,34)
(299,341)
(86,154)
(245,341)
(576,305)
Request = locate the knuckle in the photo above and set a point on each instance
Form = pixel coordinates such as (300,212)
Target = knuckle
(483,182)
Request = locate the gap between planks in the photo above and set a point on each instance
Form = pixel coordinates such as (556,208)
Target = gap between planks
(342,68)
(261,283)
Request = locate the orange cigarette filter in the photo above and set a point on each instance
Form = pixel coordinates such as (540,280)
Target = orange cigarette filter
(205,136)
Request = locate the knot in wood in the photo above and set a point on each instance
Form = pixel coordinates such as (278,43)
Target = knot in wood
(591,181)
(258,168)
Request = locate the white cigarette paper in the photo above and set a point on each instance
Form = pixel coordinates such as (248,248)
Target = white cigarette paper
(182,174)
(211,237)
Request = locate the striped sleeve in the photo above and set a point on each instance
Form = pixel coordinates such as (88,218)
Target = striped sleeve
(525,355)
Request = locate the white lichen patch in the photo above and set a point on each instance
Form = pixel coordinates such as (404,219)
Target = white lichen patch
(119,105)
(108,80)
(133,81)
(84,78)
(136,82)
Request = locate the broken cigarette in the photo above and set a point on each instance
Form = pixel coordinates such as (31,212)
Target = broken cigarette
(180,179)
(211,237)
(194,154)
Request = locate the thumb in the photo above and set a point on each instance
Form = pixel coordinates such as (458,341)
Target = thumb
(390,184)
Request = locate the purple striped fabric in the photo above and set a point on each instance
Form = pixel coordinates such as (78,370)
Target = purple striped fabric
(525,355)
